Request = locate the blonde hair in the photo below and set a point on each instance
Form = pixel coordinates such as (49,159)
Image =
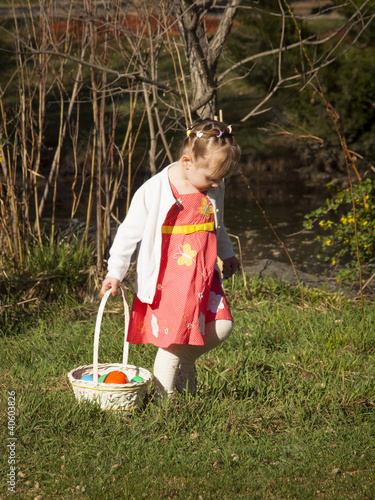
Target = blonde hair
(209,137)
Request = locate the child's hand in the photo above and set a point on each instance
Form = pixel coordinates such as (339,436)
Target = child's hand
(110,283)
(230,266)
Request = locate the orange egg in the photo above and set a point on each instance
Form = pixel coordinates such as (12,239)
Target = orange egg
(116,377)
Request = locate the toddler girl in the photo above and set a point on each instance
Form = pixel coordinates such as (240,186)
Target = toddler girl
(175,221)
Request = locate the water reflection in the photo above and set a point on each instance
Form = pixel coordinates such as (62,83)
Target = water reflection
(285,207)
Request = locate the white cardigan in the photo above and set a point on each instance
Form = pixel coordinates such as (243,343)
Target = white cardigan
(142,226)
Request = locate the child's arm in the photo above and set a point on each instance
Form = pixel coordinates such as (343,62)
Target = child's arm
(129,233)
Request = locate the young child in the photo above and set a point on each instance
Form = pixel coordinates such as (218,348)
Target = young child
(175,221)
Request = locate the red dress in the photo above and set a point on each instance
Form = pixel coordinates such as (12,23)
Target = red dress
(189,293)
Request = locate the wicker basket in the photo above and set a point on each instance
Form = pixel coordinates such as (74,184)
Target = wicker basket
(121,397)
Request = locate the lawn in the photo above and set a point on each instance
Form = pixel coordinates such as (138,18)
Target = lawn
(284,410)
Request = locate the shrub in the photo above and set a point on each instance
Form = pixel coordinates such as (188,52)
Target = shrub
(340,222)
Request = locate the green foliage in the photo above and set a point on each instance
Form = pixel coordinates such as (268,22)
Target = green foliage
(351,91)
(65,259)
(49,273)
(339,222)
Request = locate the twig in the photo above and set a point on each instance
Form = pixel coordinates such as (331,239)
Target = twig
(299,136)
(276,235)
(241,259)
(20,303)
(368,282)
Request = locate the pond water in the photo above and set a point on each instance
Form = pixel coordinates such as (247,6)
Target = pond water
(285,206)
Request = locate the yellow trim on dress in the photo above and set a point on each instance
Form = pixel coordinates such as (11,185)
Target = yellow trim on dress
(188,229)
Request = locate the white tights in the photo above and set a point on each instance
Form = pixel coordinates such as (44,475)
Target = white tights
(168,360)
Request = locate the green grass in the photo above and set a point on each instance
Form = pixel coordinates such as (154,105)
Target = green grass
(285,408)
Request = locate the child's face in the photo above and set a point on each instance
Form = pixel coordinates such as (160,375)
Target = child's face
(201,175)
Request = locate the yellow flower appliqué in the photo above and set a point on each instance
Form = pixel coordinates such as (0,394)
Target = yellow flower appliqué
(187,256)
(206,208)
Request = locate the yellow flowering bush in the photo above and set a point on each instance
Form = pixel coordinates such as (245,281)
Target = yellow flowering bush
(339,223)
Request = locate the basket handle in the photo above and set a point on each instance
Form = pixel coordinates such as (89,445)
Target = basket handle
(97,330)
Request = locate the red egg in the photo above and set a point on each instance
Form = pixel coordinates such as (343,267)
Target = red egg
(116,377)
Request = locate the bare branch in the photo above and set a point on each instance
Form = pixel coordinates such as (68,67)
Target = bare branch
(118,74)
(218,41)
(309,41)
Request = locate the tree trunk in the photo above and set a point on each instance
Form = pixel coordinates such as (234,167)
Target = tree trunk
(203,54)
